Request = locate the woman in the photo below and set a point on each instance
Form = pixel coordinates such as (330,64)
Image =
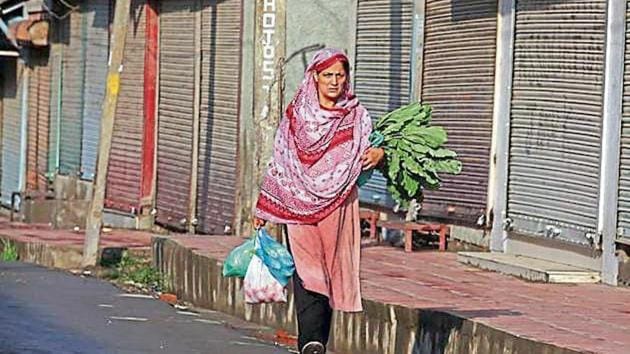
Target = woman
(320,149)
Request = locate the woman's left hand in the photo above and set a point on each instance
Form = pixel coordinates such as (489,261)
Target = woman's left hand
(372,157)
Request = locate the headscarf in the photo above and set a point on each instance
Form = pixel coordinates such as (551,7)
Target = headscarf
(317,152)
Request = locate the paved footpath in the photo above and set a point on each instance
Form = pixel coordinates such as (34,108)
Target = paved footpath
(585,317)
(582,317)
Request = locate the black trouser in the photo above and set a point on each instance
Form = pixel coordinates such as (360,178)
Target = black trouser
(314,314)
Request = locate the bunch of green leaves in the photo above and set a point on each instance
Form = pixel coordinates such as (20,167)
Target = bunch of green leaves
(9,251)
(414,152)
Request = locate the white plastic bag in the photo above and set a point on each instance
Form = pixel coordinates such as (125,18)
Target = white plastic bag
(260,286)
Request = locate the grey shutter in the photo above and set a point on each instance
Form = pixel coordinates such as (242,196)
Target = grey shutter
(96,44)
(12,158)
(59,35)
(175,111)
(623,216)
(556,118)
(383,69)
(220,77)
(72,97)
(458,82)
(125,164)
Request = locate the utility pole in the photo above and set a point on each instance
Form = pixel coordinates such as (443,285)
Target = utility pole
(95,214)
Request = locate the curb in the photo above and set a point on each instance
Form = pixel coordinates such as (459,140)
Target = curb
(380,328)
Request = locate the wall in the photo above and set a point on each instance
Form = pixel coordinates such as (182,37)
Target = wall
(312,22)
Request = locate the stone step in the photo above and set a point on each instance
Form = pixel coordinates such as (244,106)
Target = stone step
(528,268)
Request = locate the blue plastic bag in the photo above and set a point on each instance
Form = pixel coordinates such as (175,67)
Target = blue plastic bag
(238,260)
(275,256)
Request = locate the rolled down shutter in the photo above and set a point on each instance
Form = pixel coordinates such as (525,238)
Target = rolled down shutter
(96,42)
(458,82)
(383,69)
(220,77)
(556,118)
(12,158)
(125,164)
(38,122)
(175,111)
(623,216)
(72,97)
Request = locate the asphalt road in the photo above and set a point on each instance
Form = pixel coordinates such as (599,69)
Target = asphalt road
(45,311)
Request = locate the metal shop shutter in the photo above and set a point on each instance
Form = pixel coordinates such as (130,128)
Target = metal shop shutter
(96,44)
(383,68)
(125,161)
(38,121)
(12,156)
(218,144)
(175,111)
(623,216)
(59,36)
(458,81)
(556,119)
(72,98)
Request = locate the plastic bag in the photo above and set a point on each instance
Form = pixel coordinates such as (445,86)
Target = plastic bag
(238,260)
(275,256)
(260,286)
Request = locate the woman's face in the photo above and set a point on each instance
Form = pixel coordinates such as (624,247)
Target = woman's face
(331,81)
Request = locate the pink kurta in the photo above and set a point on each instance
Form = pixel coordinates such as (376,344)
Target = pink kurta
(327,255)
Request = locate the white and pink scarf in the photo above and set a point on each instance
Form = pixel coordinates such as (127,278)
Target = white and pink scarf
(317,152)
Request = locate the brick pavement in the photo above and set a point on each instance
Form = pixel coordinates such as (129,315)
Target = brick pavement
(583,317)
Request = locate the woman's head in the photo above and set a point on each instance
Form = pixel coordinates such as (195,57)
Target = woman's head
(332,81)
(331,72)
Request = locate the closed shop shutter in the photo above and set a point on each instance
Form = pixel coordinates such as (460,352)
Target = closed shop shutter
(38,121)
(458,82)
(125,161)
(72,98)
(623,217)
(218,145)
(96,44)
(59,35)
(12,159)
(556,118)
(383,68)
(175,111)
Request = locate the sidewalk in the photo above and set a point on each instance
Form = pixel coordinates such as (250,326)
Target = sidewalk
(423,302)
(43,245)
(444,305)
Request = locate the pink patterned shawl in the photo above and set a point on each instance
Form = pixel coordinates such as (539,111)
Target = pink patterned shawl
(317,152)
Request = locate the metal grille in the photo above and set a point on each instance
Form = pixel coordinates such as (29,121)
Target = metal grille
(125,164)
(38,122)
(623,216)
(12,128)
(220,75)
(175,111)
(458,82)
(383,68)
(556,118)
(72,98)
(96,44)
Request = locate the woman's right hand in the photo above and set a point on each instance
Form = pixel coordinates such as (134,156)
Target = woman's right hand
(258,222)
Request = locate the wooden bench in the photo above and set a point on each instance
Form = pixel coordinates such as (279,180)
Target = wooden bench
(372,218)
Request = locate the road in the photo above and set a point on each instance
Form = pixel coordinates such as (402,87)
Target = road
(44,311)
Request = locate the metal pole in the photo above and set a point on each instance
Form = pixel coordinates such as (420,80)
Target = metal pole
(498,179)
(192,197)
(95,214)
(417,50)
(611,136)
